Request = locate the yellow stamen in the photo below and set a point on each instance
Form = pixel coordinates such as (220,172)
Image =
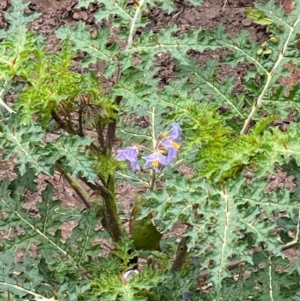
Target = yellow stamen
(155,163)
(176,145)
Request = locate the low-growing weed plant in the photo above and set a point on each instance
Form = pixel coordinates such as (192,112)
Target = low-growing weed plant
(238,237)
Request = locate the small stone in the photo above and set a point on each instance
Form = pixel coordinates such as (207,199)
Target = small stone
(3,4)
(247,22)
(81,15)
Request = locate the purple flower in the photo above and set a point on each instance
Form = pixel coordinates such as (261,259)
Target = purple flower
(173,142)
(127,275)
(129,154)
(185,296)
(154,160)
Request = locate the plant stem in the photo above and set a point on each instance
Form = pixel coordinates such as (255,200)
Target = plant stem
(74,183)
(111,130)
(133,21)
(154,143)
(180,254)
(111,220)
(67,126)
(152,181)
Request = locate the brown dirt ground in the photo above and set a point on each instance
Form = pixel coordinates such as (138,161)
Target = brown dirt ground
(55,13)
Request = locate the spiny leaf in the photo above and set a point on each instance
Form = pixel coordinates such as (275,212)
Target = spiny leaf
(63,263)
(225,220)
(74,161)
(17,47)
(25,141)
(167,5)
(115,8)
(292,168)
(265,281)
(138,288)
(96,47)
(17,17)
(135,86)
(206,87)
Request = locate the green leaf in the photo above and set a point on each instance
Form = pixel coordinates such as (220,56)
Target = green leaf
(293,169)
(143,232)
(257,16)
(25,141)
(17,17)
(17,48)
(96,47)
(84,3)
(71,153)
(224,220)
(54,263)
(264,281)
(114,8)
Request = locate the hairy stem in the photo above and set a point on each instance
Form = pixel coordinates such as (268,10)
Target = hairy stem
(180,254)
(67,126)
(74,183)
(111,220)
(111,130)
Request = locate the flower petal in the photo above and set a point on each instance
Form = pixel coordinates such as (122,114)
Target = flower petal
(172,154)
(176,132)
(154,160)
(129,154)
(173,142)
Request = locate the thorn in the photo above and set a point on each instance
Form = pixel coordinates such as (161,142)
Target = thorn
(8,296)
